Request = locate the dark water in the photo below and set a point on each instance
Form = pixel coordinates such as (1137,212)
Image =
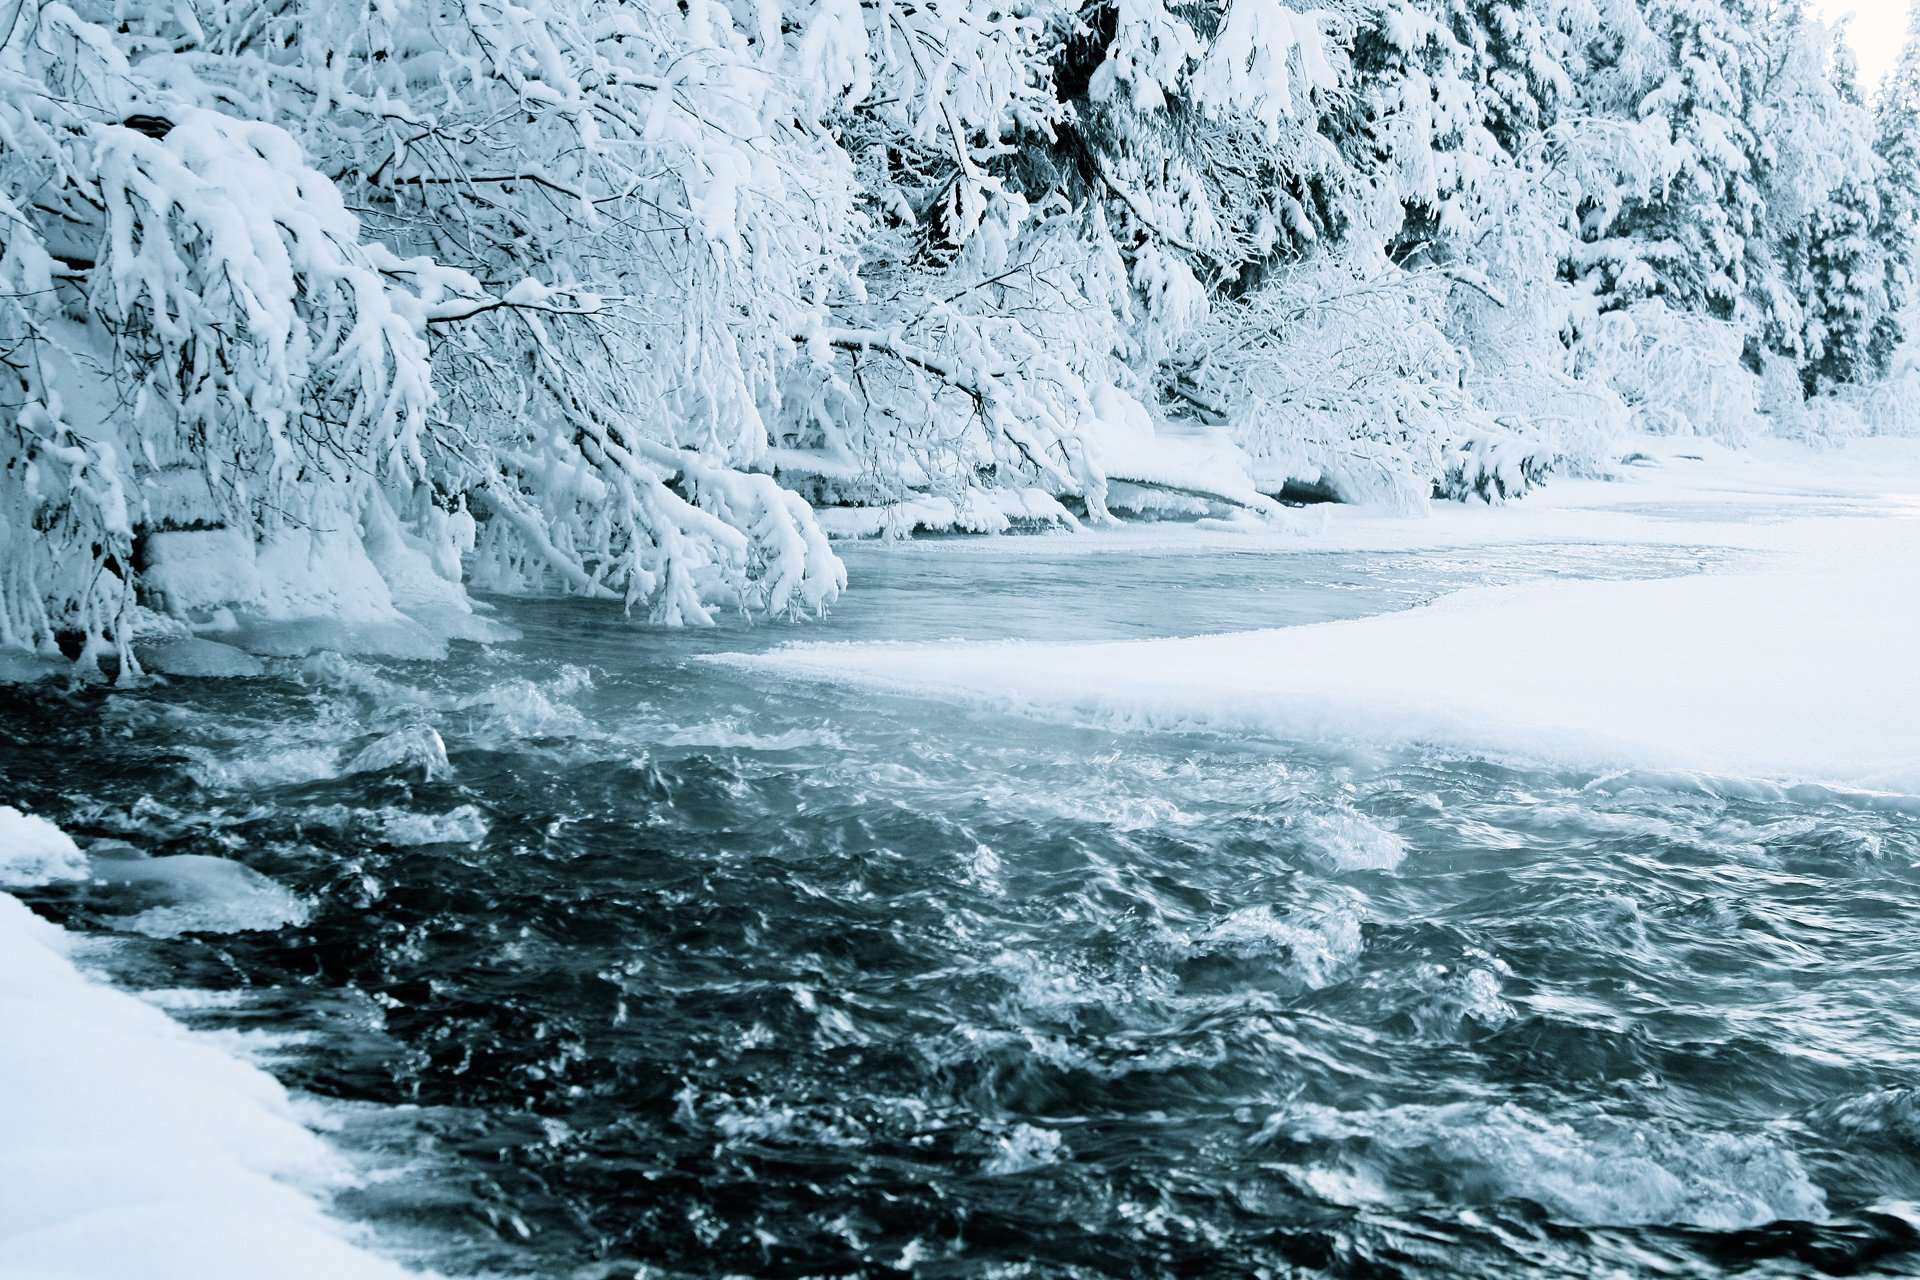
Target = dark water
(683,972)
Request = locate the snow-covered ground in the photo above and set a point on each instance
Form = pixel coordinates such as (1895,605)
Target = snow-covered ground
(1798,667)
(130,1146)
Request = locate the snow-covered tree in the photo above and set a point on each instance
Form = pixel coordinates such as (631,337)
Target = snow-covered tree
(341,308)
(1846,306)
(1897,143)
(1685,238)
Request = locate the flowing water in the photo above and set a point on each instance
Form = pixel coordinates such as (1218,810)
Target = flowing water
(669,969)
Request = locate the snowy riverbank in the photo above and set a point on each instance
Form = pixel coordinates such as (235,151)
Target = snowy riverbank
(1800,670)
(130,1146)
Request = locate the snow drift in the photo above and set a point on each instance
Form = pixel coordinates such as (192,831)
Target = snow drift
(124,1136)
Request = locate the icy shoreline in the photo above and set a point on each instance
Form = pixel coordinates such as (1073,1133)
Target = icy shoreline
(1799,671)
(402,608)
(125,1136)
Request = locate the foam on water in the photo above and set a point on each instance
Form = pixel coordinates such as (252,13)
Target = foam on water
(1596,1171)
(274,767)
(1350,841)
(1024,1148)
(1319,942)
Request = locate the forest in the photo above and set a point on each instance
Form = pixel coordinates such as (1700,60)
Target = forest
(341,309)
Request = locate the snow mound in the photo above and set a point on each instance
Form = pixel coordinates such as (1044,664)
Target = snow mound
(1803,673)
(34,852)
(130,1145)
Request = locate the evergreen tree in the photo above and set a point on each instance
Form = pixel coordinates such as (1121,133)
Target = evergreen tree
(1691,229)
(1846,302)
(1897,143)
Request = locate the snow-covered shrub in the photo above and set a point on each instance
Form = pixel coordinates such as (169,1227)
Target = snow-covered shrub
(955,383)
(1354,382)
(1679,373)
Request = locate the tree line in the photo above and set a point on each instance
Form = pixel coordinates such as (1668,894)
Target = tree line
(636,300)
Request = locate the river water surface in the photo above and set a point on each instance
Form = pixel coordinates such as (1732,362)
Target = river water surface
(671,969)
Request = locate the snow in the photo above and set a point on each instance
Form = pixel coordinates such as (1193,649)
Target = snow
(370,589)
(979,511)
(1800,670)
(34,852)
(249,399)
(190,570)
(1203,464)
(123,1136)
(196,656)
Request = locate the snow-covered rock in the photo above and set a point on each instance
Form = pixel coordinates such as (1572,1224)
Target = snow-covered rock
(34,852)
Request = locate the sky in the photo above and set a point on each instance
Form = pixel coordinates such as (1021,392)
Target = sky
(1878,27)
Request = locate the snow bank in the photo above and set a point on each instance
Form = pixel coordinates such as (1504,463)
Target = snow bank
(977,511)
(1803,675)
(374,588)
(1803,672)
(131,1146)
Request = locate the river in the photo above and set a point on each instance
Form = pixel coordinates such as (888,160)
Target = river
(672,969)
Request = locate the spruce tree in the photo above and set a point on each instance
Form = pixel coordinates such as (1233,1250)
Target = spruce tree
(1845,296)
(1711,203)
(1897,142)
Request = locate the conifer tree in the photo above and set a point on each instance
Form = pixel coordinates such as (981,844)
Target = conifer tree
(1692,228)
(1897,143)
(1845,290)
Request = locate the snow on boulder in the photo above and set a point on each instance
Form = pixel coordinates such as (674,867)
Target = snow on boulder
(322,573)
(1201,464)
(34,852)
(189,571)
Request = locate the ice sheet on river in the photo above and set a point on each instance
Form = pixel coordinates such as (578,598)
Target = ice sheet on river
(1799,673)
